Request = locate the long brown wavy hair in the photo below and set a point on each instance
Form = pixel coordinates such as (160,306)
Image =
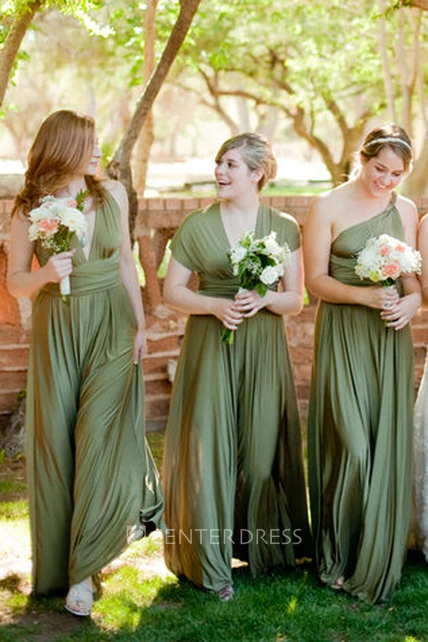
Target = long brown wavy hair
(61,150)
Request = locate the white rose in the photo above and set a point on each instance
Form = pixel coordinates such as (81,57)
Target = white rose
(271,245)
(237,254)
(40,213)
(74,220)
(269,275)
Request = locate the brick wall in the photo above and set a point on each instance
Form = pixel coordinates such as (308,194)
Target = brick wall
(157,219)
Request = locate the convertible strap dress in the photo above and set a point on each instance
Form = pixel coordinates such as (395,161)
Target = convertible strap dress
(90,473)
(360,431)
(233,472)
(420,459)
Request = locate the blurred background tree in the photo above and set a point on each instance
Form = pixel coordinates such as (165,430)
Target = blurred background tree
(313,77)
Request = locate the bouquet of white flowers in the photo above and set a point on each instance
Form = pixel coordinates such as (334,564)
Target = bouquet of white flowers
(54,222)
(385,258)
(258,264)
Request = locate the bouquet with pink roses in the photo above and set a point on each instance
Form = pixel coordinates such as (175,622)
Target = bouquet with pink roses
(384,259)
(54,222)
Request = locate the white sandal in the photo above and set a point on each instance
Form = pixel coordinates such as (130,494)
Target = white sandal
(80,599)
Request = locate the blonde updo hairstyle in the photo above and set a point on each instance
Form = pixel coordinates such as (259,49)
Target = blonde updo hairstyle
(61,150)
(256,152)
(391,136)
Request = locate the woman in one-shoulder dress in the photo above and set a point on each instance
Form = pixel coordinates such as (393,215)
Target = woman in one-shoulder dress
(360,415)
(233,473)
(91,477)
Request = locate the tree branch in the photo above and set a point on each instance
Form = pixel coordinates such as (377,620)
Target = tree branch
(120,165)
(16,34)
(178,34)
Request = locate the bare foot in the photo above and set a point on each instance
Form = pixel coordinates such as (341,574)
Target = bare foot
(338,585)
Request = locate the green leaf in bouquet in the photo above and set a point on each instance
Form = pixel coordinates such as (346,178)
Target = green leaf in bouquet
(261,288)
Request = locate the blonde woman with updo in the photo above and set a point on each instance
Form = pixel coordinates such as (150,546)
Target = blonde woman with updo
(360,416)
(90,474)
(233,473)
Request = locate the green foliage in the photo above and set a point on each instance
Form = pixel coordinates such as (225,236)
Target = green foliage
(310,51)
(12,511)
(9,486)
(125,24)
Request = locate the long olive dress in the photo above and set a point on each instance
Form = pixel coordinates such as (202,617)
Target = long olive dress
(360,431)
(233,473)
(90,472)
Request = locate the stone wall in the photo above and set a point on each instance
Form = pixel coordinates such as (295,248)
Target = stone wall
(157,220)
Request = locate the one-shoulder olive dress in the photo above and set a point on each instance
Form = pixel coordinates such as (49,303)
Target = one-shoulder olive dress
(360,431)
(233,472)
(90,473)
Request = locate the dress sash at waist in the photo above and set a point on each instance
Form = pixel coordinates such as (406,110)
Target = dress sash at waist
(342,268)
(90,277)
(223,290)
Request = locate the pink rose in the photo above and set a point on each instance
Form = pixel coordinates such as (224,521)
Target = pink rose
(48,226)
(391,270)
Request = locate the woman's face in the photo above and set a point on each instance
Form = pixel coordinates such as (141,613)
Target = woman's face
(233,176)
(383,172)
(92,166)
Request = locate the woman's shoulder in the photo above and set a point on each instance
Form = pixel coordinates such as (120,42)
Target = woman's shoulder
(283,219)
(286,228)
(406,206)
(423,223)
(114,188)
(330,204)
(114,193)
(199,217)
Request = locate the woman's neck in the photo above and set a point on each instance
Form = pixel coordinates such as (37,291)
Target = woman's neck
(363,193)
(245,207)
(75,186)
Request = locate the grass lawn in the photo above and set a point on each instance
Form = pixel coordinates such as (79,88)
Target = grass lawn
(279,188)
(143,602)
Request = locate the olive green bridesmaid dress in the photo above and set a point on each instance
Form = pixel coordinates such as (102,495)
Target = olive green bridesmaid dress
(360,432)
(90,473)
(233,472)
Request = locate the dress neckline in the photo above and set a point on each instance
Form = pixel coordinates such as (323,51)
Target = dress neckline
(390,205)
(88,257)
(223,229)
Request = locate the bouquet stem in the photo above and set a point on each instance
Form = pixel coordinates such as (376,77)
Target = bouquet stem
(227,336)
(64,288)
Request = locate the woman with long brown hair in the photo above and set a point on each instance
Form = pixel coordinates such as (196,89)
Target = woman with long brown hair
(90,473)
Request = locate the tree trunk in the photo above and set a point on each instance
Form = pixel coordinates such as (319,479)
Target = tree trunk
(120,167)
(416,183)
(421,4)
(244,116)
(383,52)
(17,31)
(145,140)
(268,122)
